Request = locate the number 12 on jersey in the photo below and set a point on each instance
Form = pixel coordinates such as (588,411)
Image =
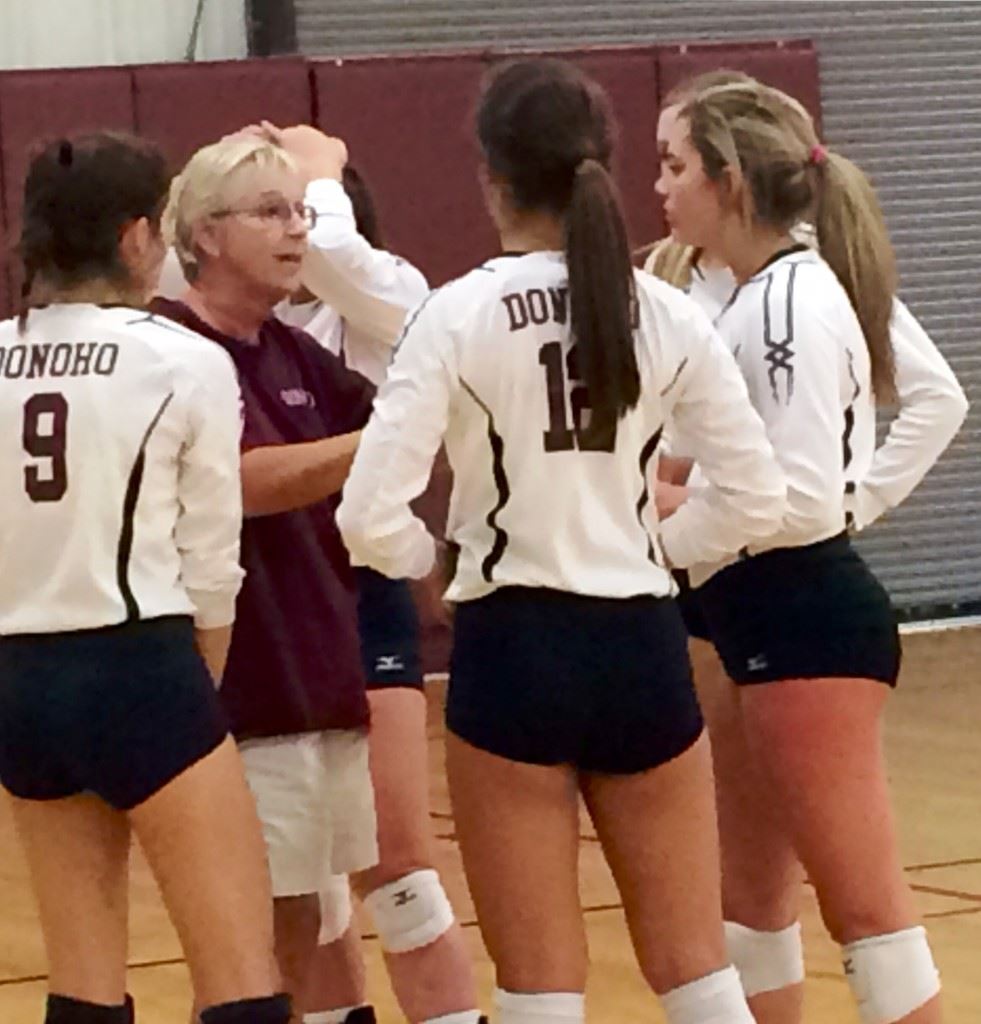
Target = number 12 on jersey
(560,437)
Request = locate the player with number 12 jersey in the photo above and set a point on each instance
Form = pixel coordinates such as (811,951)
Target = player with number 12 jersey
(489,360)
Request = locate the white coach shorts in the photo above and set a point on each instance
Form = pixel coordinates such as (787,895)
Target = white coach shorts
(316,804)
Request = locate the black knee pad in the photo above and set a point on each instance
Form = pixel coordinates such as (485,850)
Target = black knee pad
(65,1010)
(267,1010)
(361,1015)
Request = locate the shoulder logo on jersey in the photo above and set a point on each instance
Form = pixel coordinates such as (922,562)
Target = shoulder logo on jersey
(298,398)
(777,341)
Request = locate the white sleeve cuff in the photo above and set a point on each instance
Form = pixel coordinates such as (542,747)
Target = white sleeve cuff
(865,507)
(213,610)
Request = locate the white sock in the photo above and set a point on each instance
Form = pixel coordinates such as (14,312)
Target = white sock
(337,1016)
(540,1007)
(461,1017)
(715,999)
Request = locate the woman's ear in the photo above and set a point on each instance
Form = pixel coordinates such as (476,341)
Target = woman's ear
(141,246)
(204,238)
(735,195)
(135,237)
(141,250)
(497,196)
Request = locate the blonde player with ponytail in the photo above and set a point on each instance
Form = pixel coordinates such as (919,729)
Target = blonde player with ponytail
(803,628)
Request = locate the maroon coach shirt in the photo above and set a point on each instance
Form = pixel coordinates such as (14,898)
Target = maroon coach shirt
(294,664)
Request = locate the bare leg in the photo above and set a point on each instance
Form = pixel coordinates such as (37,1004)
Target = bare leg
(820,744)
(214,881)
(761,874)
(297,922)
(337,978)
(525,890)
(436,979)
(78,853)
(659,835)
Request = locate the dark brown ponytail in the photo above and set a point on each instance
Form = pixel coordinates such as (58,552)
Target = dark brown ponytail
(547,129)
(601,296)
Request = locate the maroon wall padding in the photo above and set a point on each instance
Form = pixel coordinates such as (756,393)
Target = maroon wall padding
(183,107)
(408,124)
(6,259)
(629,76)
(792,67)
(38,106)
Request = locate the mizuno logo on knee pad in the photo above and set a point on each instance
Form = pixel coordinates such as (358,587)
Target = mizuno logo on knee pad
(410,912)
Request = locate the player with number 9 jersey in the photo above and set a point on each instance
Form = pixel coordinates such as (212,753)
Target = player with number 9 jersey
(119,472)
(119,547)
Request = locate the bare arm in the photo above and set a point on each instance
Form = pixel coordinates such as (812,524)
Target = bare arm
(674,469)
(213,647)
(283,478)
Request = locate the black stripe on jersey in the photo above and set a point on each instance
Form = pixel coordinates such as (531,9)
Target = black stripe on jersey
(646,454)
(729,304)
(412,319)
(125,548)
(500,544)
(677,374)
(779,355)
(846,437)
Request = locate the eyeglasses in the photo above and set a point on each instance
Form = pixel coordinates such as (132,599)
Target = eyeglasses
(274,212)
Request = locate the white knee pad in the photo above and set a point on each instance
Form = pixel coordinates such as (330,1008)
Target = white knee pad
(891,975)
(411,912)
(766,961)
(715,999)
(539,1007)
(335,910)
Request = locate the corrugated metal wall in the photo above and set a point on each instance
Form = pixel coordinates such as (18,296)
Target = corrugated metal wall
(66,33)
(901,87)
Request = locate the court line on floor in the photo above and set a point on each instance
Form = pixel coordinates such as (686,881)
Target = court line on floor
(178,961)
(936,890)
(139,966)
(953,913)
(933,866)
(597,909)
(963,863)
(604,907)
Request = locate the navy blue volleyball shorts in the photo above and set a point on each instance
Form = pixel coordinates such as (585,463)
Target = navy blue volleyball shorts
(117,712)
(549,677)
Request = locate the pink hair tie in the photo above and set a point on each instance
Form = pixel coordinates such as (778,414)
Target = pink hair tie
(819,155)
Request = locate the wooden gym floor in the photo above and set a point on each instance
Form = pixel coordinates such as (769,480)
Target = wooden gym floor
(934,738)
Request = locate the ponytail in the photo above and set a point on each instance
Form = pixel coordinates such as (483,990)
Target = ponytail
(602,299)
(672,262)
(30,272)
(770,139)
(854,241)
